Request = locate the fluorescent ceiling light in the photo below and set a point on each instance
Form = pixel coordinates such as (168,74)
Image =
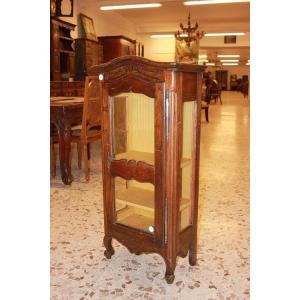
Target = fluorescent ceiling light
(130,6)
(202,56)
(213,2)
(224,33)
(230,64)
(160,36)
(203,60)
(228,55)
(229,60)
(210,64)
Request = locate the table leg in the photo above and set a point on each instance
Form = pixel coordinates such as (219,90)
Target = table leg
(64,138)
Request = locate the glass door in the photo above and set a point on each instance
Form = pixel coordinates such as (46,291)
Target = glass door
(133,160)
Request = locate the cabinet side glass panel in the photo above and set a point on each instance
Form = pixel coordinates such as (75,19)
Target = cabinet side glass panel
(133,139)
(186,163)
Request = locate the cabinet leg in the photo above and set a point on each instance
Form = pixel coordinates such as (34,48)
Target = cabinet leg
(170,268)
(109,248)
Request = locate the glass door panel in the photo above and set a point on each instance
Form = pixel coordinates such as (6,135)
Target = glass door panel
(133,140)
(186,163)
(134,202)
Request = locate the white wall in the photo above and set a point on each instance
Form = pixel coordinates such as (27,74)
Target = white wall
(218,41)
(158,49)
(105,23)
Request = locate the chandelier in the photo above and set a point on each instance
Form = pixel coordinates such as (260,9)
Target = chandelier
(189,33)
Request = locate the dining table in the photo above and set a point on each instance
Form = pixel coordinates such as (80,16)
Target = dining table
(64,113)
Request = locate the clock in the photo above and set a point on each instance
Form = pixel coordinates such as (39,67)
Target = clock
(53,8)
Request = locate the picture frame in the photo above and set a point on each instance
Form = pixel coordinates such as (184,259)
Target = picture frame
(88,28)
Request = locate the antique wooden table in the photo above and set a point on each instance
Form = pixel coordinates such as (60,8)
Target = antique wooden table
(64,112)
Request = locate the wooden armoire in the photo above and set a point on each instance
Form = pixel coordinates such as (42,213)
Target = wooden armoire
(151,115)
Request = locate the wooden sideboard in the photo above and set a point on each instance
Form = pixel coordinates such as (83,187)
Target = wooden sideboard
(115,46)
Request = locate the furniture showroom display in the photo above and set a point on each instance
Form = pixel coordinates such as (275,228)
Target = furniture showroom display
(151,115)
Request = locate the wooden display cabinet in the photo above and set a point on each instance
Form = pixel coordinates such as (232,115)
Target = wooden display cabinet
(151,137)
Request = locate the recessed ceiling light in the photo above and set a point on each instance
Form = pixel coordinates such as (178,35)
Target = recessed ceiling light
(224,33)
(248,64)
(228,55)
(230,64)
(202,56)
(130,6)
(203,60)
(213,2)
(210,64)
(229,60)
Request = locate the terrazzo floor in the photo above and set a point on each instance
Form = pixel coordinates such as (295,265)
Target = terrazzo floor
(79,270)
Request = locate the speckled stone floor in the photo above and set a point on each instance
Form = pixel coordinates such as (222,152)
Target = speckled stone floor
(79,270)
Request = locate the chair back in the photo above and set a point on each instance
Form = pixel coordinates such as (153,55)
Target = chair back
(92,104)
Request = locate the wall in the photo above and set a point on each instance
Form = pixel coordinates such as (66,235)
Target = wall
(105,23)
(218,41)
(158,49)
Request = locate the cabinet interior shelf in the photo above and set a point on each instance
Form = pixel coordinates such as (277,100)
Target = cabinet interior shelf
(135,207)
(146,157)
(141,198)
(66,38)
(66,51)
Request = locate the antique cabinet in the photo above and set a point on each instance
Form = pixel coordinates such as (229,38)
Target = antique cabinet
(115,46)
(88,53)
(151,137)
(62,53)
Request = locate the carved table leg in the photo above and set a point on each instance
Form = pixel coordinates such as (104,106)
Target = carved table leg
(64,136)
(170,268)
(109,248)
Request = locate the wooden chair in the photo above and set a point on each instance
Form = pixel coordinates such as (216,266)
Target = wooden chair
(205,106)
(90,129)
(214,93)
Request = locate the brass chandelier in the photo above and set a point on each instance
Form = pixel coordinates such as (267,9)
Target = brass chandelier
(189,33)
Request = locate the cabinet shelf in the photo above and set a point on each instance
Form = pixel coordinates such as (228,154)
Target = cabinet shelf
(135,220)
(146,157)
(135,208)
(67,51)
(140,198)
(66,38)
